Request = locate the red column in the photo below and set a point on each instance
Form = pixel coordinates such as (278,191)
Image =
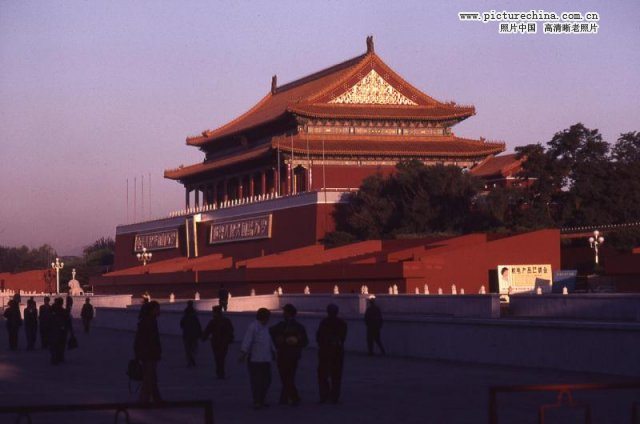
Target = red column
(215,193)
(240,188)
(225,186)
(288,188)
(251,186)
(187,198)
(197,193)
(263,182)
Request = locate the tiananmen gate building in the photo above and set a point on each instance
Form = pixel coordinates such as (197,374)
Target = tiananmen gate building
(259,204)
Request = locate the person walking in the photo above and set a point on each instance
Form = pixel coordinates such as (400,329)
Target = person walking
(87,315)
(31,323)
(68,304)
(45,322)
(148,351)
(373,322)
(191,332)
(14,321)
(220,330)
(223,297)
(60,327)
(331,335)
(257,347)
(143,305)
(289,338)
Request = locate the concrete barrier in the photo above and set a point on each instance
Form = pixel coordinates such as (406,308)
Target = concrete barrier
(564,345)
(591,306)
(102,300)
(479,306)
(469,305)
(236,304)
(349,304)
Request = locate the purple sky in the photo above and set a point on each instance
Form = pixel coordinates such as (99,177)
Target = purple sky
(93,93)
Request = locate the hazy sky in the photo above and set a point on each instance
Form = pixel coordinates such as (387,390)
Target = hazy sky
(95,92)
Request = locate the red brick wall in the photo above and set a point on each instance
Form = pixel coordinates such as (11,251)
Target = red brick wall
(291,228)
(27,281)
(468,267)
(350,176)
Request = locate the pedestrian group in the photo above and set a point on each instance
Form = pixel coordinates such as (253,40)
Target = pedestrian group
(52,322)
(261,345)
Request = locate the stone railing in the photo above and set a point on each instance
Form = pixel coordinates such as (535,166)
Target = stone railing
(234,203)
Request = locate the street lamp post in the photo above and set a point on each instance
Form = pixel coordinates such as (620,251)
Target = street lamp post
(145,256)
(57,265)
(595,241)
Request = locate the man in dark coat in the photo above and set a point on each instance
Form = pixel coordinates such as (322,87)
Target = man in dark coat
(14,321)
(31,323)
(289,338)
(223,297)
(146,298)
(68,304)
(87,315)
(373,321)
(191,332)
(331,335)
(148,351)
(45,322)
(220,330)
(58,330)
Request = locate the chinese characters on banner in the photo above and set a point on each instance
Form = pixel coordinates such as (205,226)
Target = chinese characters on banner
(241,229)
(156,241)
(524,278)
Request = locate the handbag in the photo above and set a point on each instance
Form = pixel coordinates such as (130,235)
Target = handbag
(73,343)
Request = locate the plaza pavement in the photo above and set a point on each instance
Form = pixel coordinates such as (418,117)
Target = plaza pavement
(375,389)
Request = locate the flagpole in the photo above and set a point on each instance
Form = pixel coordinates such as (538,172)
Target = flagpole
(149,194)
(135,195)
(292,188)
(127,221)
(309,163)
(278,170)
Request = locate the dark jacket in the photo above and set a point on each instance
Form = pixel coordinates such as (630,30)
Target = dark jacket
(289,338)
(87,312)
(221,332)
(59,324)
(45,317)
(45,312)
(12,315)
(190,324)
(68,303)
(223,295)
(31,317)
(146,345)
(331,334)
(373,317)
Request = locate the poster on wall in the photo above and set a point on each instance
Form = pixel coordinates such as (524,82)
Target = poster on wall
(524,278)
